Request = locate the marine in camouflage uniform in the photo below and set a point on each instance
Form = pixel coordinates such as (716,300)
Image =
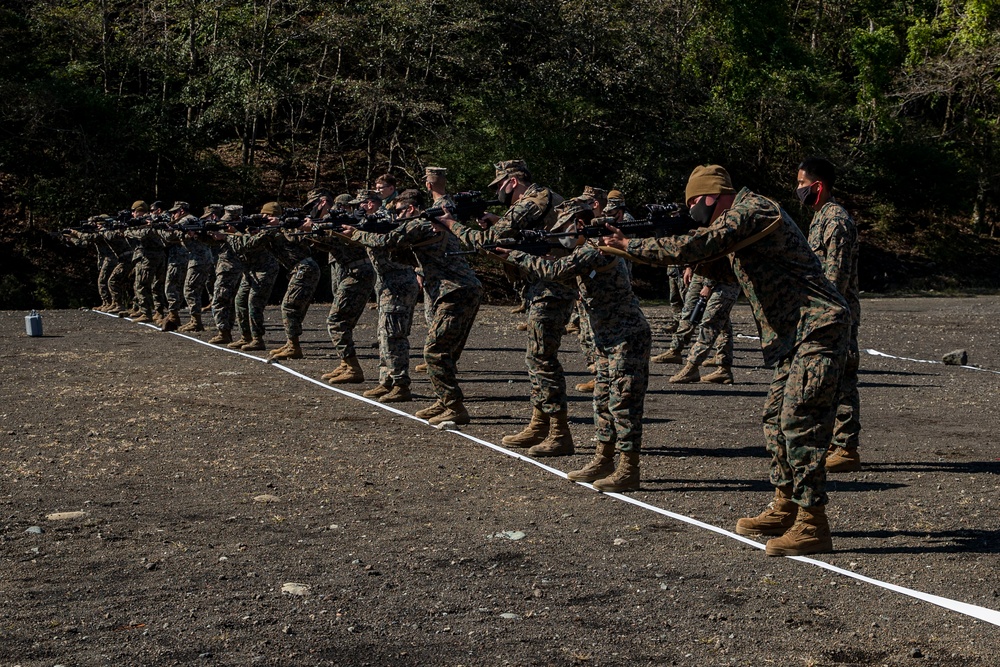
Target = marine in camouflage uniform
(550,306)
(804,326)
(455,295)
(714,328)
(303,276)
(229,269)
(833,236)
(107,259)
(199,263)
(396,291)
(150,268)
(260,272)
(352,278)
(622,341)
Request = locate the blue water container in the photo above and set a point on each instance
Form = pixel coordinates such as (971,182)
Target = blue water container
(33,323)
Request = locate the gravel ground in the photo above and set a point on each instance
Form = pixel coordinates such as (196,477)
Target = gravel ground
(210,483)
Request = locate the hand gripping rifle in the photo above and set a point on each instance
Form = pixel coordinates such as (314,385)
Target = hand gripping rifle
(532,241)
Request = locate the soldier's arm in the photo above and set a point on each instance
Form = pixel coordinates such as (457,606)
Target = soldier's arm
(565,269)
(838,244)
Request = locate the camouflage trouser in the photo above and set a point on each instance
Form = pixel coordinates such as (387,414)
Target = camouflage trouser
(799,413)
(847,426)
(251,300)
(118,281)
(397,297)
(194,285)
(675,297)
(620,391)
(227,281)
(148,281)
(547,318)
(452,320)
(352,285)
(685,328)
(301,286)
(174,285)
(586,335)
(105,266)
(716,327)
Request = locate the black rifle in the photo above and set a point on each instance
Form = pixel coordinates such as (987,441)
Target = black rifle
(379,224)
(532,241)
(332,221)
(660,220)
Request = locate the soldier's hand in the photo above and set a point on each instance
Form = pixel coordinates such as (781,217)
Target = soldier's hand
(488,219)
(347,231)
(706,291)
(615,239)
(502,253)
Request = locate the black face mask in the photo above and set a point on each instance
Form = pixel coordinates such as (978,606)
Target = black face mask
(806,195)
(702,213)
(504,197)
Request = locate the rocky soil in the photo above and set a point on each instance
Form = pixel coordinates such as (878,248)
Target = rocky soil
(223,512)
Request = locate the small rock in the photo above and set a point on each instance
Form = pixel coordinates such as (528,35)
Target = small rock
(266,498)
(293,588)
(62,516)
(916,653)
(620,541)
(509,616)
(956,358)
(512,535)
(444,425)
(34,530)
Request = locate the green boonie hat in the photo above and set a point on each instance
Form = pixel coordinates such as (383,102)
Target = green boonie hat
(344,199)
(233,213)
(708,180)
(213,209)
(509,168)
(570,208)
(365,195)
(435,174)
(596,193)
(271,208)
(139,205)
(180,206)
(616,200)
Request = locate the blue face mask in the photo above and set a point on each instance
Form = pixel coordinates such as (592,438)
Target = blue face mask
(702,213)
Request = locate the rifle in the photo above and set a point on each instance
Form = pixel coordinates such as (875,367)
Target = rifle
(660,220)
(331,222)
(532,241)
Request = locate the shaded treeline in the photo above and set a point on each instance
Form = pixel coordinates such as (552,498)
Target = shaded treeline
(106,101)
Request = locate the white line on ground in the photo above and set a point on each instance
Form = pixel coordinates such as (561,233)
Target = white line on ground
(981,613)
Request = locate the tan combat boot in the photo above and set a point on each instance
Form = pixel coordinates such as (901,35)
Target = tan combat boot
(398,394)
(717,360)
(194,324)
(522,326)
(256,345)
(721,375)
(839,459)
(142,318)
(238,345)
(625,476)
(171,321)
(810,534)
(429,412)
(335,372)
(586,387)
(420,368)
(686,375)
(668,357)
(351,375)
(775,520)
(572,329)
(517,310)
(559,441)
(376,391)
(291,350)
(535,432)
(224,337)
(455,413)
(599,467)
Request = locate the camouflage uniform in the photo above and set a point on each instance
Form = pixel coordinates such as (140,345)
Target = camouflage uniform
(118,280)
(550,302)
(150,267)
(621,336)
(804,326)
(107,260)
(260,271)
(453,290)
(833,236)
(199,263)
(177,265)
(716,326)
(303,274)
(229,269)
(397,291)
(352,278)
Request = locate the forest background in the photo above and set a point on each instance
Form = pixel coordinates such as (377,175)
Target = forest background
(233,101)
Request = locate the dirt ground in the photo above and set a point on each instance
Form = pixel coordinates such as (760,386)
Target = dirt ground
(209,482)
